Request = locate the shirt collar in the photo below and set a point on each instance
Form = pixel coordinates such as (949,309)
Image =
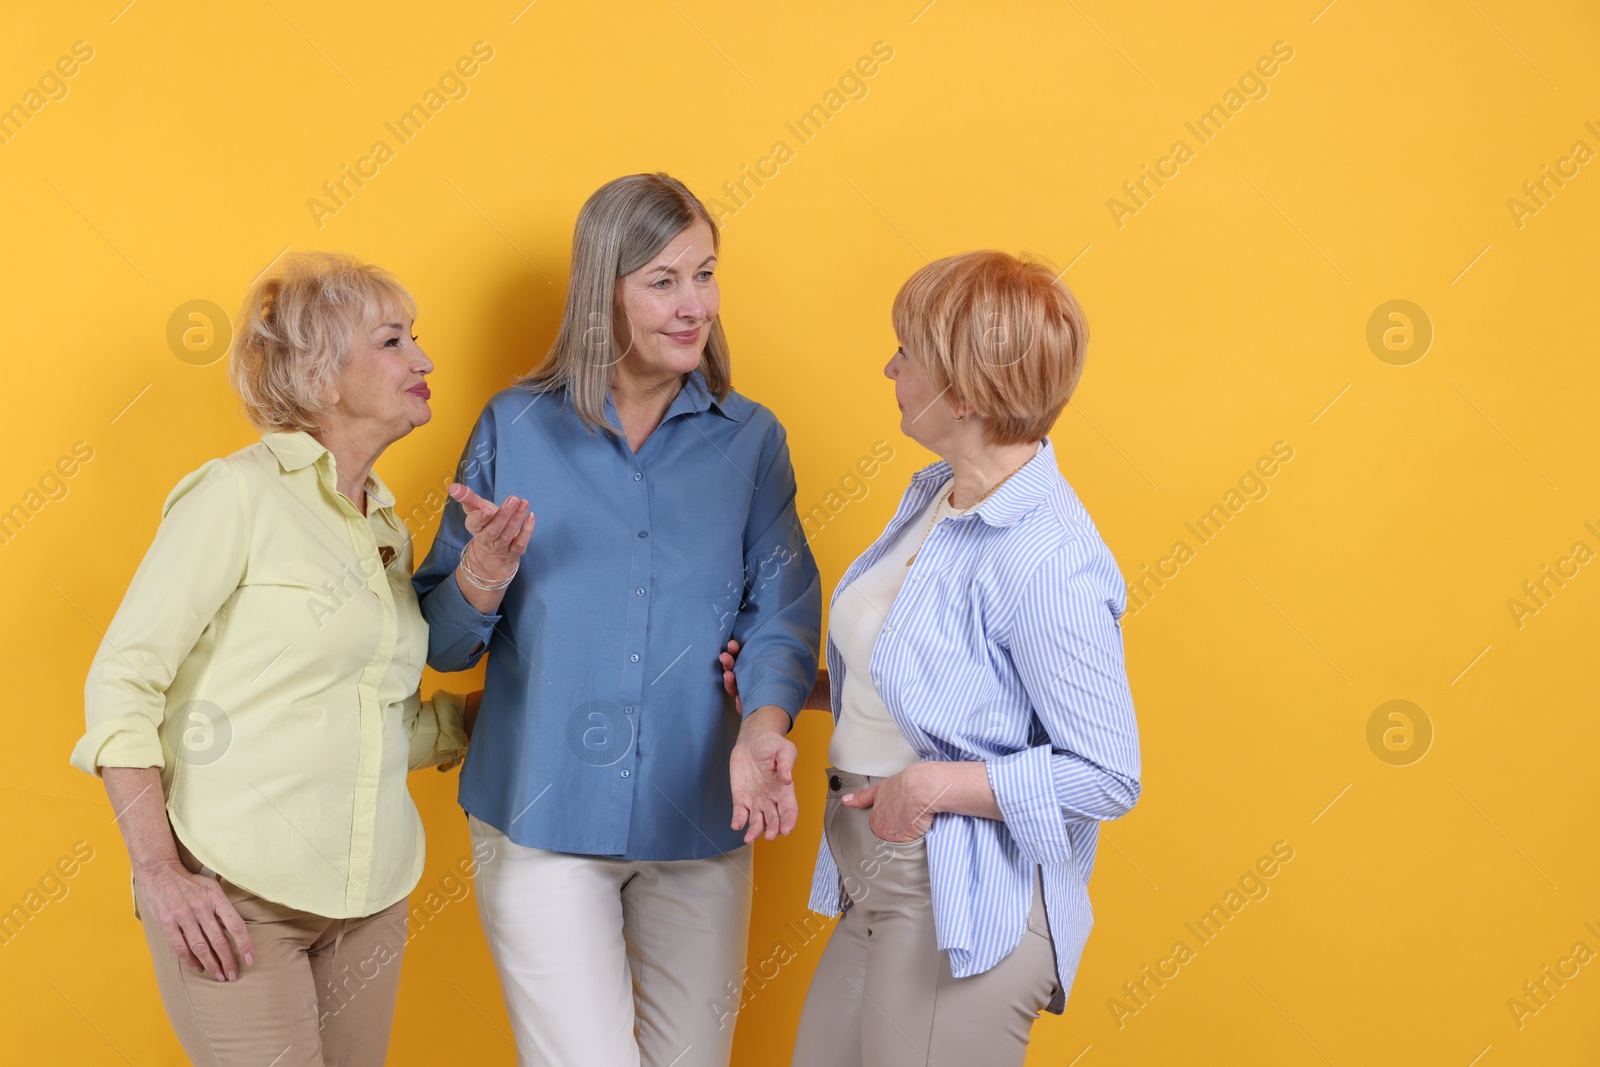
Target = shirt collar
(296,449)
(693,398)
(1020,493)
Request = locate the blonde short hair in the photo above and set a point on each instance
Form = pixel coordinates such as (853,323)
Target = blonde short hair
(621,227)
(295,331)
(1000,333)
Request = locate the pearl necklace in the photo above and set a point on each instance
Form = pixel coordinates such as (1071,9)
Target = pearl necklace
(950,498)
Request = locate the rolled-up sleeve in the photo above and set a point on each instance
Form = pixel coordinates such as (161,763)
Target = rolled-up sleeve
(458,633)
(193,566)
(437,731)
(779,623)
(1066,645)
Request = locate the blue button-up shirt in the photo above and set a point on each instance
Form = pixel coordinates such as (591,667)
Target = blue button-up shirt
(1004,645)
(604,728)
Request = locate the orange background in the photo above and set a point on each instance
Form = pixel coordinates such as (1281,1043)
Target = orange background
(1440,860)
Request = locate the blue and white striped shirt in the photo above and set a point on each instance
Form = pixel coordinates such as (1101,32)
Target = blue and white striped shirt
(1004,645)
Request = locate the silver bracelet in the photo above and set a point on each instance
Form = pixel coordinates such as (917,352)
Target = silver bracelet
(488,585)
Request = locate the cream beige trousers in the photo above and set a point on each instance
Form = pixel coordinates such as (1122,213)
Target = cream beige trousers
(608,962)
(883,994)
(321,991)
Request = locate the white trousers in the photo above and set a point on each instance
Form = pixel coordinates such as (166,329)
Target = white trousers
(608,962)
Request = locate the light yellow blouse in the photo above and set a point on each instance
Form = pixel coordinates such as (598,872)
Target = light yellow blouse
(267,657)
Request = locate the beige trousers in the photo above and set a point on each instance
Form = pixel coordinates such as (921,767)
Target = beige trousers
(883,994)
(321,991)
(608,962)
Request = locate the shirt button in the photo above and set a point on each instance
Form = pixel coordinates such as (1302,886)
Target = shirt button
(888,629)
(644,533)
(634,658)
(916,577)
(624,774)
(637,476)
(628,710)
(638,592)
(877,682)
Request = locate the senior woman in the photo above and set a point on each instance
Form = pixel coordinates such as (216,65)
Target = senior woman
(983,724)
(619,786)
(253,710)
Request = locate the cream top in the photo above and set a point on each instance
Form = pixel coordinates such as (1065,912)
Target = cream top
(866,739)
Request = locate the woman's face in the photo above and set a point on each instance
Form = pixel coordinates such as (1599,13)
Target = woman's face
(383,384)
(925,412)
(665,308)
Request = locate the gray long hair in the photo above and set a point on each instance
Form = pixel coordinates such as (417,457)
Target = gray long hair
(621,228)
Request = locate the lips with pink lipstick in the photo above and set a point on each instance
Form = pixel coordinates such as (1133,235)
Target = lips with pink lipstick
(421,389)
(687,337)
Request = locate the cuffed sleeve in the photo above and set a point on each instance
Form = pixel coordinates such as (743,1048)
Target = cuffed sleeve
(438,731)
(1066,645)
(779,622)
(1024,789)
(126,741)
(458,633)
(191,569)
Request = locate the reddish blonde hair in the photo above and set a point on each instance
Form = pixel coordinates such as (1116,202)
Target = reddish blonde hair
(1000,333)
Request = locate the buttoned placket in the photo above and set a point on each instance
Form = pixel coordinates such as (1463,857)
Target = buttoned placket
(369,759)
(636,631)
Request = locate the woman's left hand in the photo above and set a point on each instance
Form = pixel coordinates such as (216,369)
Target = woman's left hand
(904,804)
(761,771)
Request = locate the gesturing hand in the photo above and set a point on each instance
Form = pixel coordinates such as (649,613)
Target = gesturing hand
(193,911)
(499,534)
(761,771)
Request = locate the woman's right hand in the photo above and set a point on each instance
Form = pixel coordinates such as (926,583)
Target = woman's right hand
(197,917)
(499,533)
(499,537)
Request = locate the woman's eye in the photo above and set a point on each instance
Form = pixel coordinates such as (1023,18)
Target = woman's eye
(659,282)
(705,275)
(393,342)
